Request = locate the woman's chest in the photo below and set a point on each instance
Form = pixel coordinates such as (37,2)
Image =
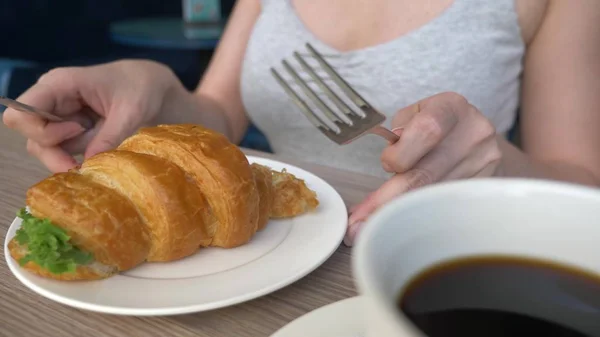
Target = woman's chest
(478,55)
(355,24)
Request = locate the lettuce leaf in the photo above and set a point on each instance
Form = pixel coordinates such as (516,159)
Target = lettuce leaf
(48,245)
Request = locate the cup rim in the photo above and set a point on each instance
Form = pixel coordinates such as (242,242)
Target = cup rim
(363,272)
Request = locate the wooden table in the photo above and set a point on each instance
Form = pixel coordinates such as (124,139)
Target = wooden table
(24,313)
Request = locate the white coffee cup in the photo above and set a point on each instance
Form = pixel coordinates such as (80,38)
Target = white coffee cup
(530,218)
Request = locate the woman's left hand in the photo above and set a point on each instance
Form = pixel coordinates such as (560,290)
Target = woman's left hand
(442,137)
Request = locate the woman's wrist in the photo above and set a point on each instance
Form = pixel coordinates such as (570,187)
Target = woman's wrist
(181,106)
(176,105)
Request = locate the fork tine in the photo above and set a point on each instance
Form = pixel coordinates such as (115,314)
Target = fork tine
(352,94)
(341,105)
(310,93)
(313,118)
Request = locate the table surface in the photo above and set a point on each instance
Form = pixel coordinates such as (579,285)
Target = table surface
(24,313)
(166,32)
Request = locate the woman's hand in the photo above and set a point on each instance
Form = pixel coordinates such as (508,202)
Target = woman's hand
(442,137)
(122,96)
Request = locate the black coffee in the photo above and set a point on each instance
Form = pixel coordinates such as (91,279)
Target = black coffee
(503,296)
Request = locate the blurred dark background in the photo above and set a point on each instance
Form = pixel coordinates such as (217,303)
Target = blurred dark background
(38,35)
(43,34)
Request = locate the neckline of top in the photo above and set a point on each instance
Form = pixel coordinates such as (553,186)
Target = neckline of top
(326,48)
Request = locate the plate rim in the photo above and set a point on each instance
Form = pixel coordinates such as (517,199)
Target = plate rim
(194,308)
(346,304)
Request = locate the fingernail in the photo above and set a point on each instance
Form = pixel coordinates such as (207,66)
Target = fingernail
(352,219)
(398,131)
(351,233)
(347,241)
(349,237)
(76,131)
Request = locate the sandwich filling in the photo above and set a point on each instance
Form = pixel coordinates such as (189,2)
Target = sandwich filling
(48,245)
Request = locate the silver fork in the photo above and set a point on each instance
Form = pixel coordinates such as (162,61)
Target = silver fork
(85,121)
(348,125)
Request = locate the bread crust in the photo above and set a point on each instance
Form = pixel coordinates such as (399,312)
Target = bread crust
(264,184)
(171,206)
(99,220)
(220,169)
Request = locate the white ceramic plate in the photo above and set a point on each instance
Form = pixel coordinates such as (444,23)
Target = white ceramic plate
(279,255)
(340,319)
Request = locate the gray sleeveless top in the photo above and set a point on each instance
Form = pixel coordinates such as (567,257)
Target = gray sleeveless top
(474,48)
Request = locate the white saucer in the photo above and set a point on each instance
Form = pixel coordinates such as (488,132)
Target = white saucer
(340,319)
(282,253)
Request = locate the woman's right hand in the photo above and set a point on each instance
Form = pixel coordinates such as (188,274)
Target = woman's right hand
(122,96)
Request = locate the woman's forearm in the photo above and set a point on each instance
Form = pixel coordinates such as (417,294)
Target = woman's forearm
(516,163)
(184,107)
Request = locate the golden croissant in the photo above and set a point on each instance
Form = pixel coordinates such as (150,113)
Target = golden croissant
(164,193)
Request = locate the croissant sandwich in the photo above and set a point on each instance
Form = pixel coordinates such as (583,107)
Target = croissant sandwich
(162,195)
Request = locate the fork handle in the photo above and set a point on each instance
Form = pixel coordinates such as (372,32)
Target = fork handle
(384,133)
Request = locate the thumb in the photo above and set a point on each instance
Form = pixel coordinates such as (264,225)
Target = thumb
(117,126)
(395,186)
(388,191)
